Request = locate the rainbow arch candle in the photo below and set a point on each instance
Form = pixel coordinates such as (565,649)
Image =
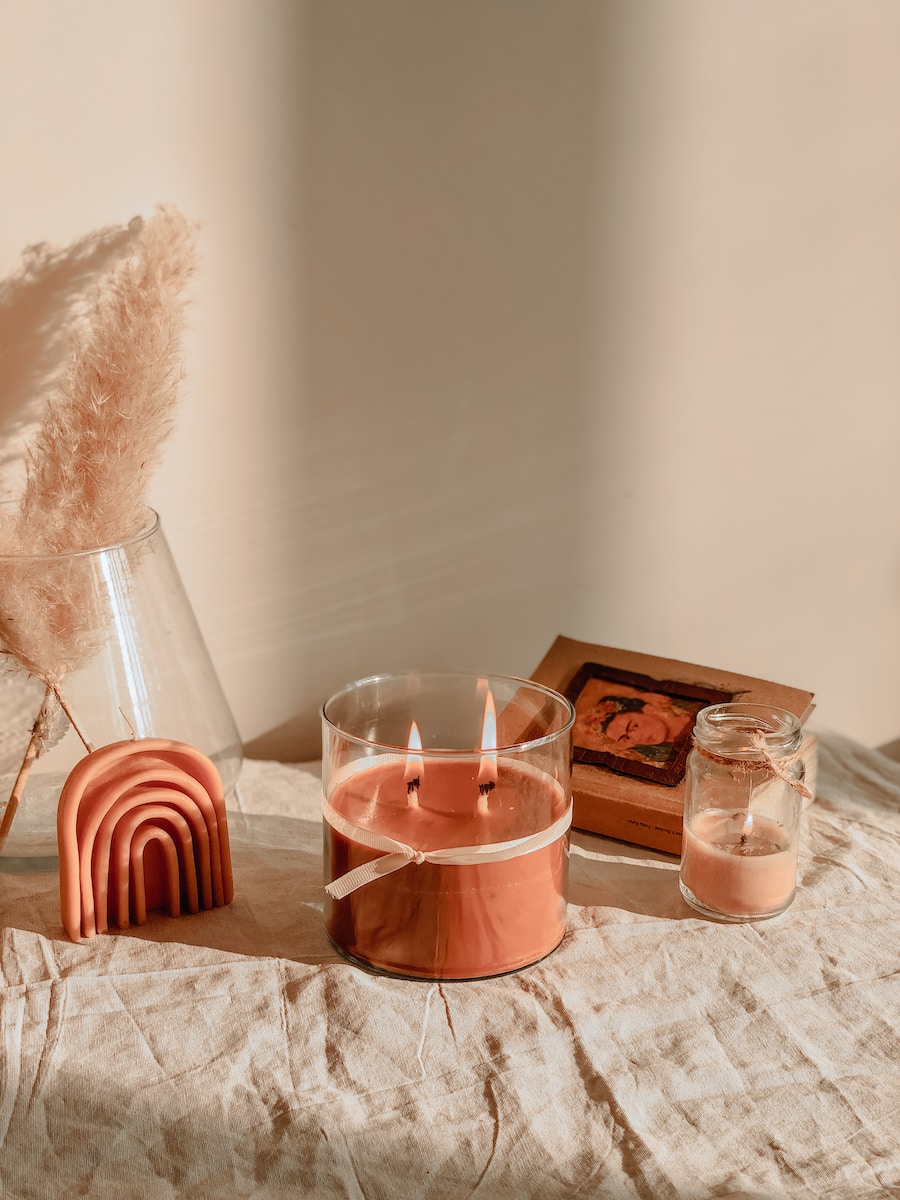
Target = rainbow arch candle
(141,825)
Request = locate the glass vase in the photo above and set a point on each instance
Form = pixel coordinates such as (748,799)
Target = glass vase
(137,667)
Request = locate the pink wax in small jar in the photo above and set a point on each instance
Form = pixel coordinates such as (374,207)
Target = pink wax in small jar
(446,811)
(743,801)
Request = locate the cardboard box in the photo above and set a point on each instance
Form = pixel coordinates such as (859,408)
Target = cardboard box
(632,736)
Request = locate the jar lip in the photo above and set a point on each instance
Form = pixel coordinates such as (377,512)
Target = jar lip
(731,726)
(517,748)
(149,526)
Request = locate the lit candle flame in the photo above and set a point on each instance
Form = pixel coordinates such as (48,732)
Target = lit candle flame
(414,767)
(487,770)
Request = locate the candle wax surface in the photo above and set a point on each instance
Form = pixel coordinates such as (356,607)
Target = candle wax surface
(446,813)
(734,870)
(446,921)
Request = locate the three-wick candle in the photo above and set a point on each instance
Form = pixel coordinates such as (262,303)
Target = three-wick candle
(448,860)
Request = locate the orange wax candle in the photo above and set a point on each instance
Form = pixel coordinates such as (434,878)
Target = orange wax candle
(445,920)
(738,866)
(108,861)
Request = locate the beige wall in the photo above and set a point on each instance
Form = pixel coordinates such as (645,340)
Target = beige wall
(513,319)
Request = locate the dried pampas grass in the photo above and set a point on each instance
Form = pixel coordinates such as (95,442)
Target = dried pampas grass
(89,466)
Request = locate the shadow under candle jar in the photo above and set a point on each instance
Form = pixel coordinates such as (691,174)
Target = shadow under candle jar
(447,809)
(743,801)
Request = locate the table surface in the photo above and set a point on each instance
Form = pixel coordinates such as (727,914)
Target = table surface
(654,1054)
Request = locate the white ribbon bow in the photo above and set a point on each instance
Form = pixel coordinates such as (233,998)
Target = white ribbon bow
(400,855)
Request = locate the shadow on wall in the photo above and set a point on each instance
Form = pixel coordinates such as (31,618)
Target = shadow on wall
(435,460)
(38,304)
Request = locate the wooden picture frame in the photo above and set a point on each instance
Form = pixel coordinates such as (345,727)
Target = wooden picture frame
(634,804)
(636,724)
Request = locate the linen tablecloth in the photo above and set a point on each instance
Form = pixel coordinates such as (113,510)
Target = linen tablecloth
(654,1054)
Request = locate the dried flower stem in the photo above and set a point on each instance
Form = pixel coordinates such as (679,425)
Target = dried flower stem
(38,732)
(64,705)
(39,729)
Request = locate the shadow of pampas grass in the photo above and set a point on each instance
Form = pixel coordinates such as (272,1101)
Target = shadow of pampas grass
(41,301)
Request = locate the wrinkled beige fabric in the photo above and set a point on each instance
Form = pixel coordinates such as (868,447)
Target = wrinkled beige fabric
(655,1054)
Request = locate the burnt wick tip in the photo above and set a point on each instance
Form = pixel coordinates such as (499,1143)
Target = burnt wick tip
(413,785)
(485,789)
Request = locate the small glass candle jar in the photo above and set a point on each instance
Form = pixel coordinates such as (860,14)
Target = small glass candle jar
(743,800)
(446,811)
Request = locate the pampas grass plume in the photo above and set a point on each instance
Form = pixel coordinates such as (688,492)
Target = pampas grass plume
(90,464)
(88,468)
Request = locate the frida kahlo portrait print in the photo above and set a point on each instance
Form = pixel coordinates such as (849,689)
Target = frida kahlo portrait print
(634,724)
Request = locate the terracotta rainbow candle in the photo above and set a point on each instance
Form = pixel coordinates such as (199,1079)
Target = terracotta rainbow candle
(139,822)
(447,809)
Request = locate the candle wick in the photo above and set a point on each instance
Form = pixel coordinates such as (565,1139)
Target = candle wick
(412,791)
(484,790)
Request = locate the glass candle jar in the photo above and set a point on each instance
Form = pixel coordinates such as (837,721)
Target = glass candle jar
(447,808)
(743,800)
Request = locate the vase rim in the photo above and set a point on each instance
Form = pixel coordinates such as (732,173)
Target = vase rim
(150,526)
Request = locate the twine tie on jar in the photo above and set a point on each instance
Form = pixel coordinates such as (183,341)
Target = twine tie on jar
(779,767)
(399,854)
